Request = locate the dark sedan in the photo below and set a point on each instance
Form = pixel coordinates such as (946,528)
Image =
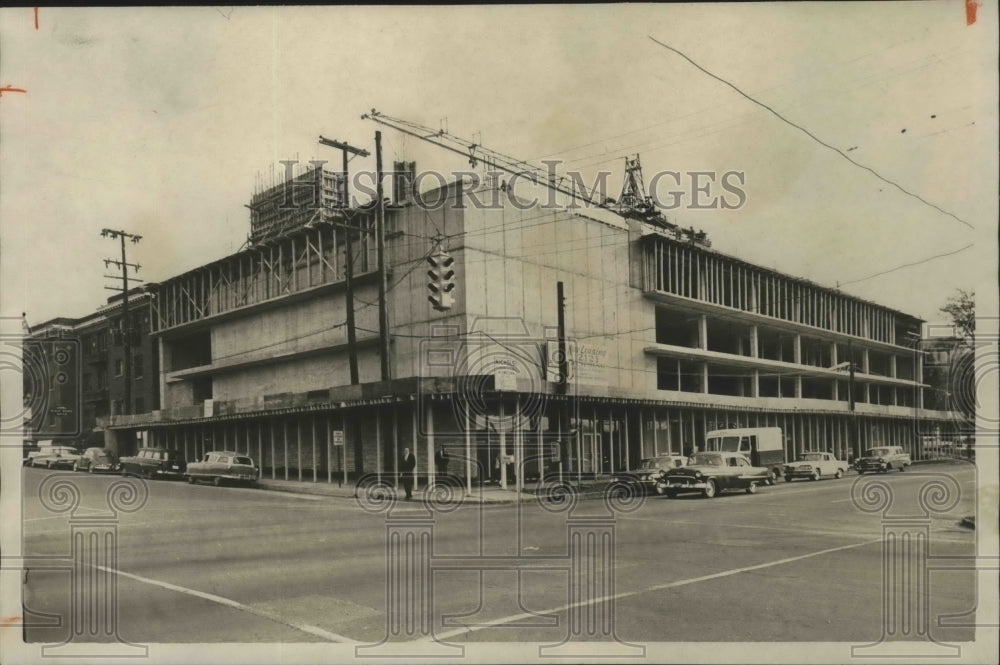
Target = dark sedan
(711,473)
(643,480)
(152,463)
(97,460)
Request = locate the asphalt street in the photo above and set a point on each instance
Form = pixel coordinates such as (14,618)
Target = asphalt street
(794,562)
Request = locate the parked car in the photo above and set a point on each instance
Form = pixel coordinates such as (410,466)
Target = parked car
(54,457)
(223,465)
(882,460)
(815,465)
(713,472)
(154,463)
(763,446)
(96,460)
(650,469)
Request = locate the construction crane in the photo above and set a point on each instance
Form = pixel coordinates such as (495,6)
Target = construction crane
(492,159)
(633,203)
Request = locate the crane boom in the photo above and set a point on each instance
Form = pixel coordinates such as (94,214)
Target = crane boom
(477,153)
(634,204)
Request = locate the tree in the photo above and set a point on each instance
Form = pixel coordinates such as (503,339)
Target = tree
(961,307)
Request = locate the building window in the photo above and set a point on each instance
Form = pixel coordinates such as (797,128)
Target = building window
(140,405)
(119,367)
(137,367)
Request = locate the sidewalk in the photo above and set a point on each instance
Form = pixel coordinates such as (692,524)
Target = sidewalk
(488,494)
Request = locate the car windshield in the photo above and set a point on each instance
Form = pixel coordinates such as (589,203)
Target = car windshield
(654,463)
(706,459)
(812,456)
(877,452)
(243,460)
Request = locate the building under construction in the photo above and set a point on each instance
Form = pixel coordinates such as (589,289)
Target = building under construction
(665,338)
(295,201)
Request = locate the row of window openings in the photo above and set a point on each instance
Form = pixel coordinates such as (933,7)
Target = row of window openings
(677,329)
(688,376)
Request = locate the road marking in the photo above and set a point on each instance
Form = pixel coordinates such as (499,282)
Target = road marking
(305,628)
(63,515)
(802,531)
(656,587)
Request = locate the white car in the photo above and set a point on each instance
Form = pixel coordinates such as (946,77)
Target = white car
(815,466)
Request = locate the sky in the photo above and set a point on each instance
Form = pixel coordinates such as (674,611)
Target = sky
(160,122)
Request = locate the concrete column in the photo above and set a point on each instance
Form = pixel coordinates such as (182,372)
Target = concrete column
(642,438)
(755,384)
(704,377)
(892,365)
(703,332)
(430,445)
(797,349)
(754,342)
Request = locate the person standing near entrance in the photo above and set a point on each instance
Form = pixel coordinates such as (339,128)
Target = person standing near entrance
(407,467)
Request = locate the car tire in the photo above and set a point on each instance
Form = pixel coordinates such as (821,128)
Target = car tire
(31,462)
(90,469)
(816,475)
(772,477)
(839,474)
(76,467)
(190,480)
(861,472)
(148,474)
(752,488)
(788,479)
(217,481)
(670,495)
(710,490)
(902,468)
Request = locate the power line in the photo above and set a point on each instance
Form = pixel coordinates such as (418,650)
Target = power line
(814,137)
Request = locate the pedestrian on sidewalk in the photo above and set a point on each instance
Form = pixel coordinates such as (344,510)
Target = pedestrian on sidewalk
(407,467)
(441,459)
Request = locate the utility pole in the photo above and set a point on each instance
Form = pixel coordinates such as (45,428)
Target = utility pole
(383,287)
(126,326)
(352,341)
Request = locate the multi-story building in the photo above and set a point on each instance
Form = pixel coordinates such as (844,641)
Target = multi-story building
(665,339)
(91,384)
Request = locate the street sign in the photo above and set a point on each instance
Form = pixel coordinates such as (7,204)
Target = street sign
(338,437)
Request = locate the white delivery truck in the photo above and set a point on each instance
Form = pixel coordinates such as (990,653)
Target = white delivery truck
(763,446)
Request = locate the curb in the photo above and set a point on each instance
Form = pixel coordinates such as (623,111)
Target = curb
(350,494)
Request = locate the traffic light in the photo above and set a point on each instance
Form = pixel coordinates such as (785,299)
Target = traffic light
(441,282)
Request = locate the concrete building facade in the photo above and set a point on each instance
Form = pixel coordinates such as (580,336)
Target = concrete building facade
(664,340)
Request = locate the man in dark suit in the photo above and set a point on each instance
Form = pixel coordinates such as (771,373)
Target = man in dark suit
(407,467)
(441,460)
